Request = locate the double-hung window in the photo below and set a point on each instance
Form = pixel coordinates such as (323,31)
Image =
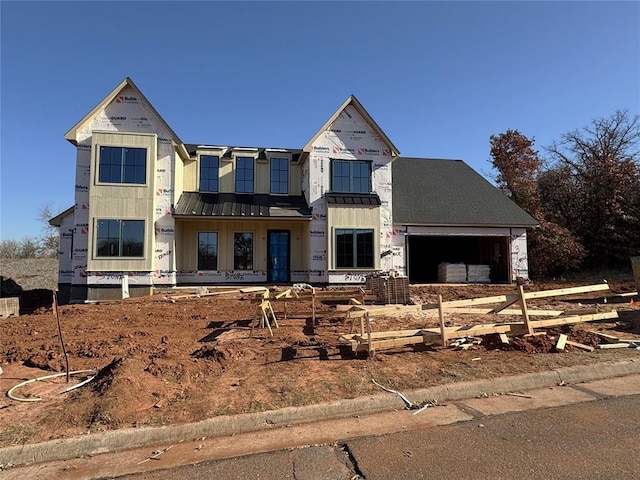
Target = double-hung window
(120,238)
(354,247)
(279,175)
(209,168)
(122,165)
(207,251)
(243,251)
(244,174)
(350,176)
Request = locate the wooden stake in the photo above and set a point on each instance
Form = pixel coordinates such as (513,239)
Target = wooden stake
(525,312)
(562,341)
(64,350)
(441,318)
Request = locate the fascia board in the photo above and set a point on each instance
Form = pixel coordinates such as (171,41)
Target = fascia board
(352,100)
(71,135)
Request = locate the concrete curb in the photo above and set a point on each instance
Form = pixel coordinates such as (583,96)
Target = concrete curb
(130,438)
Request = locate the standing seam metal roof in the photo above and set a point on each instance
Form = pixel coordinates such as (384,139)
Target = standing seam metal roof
(199,204)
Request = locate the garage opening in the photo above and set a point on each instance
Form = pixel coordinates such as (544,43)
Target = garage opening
(426,252)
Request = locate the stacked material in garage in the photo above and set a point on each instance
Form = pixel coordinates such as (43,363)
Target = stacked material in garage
(452,273)
(478,273)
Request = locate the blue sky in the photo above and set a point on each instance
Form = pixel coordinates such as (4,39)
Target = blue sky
(438,77)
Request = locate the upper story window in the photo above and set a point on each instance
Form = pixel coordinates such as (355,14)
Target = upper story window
(209,168)
(279,175)
(120,238)
(244,174)
(350,176)
(122,165)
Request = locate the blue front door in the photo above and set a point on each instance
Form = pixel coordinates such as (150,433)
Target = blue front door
(278,256)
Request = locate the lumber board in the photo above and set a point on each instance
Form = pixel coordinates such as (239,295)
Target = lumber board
(387,334)
(510,311)
(607,338)
(562,341)
(396,342)
(504,338)
(507,303)
(469,302)
(374,309)
(566,291)
(607,346)
(556,322)
(527,295)
(581,345)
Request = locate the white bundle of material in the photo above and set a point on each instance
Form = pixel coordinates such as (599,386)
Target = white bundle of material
(452,273)
(478,273)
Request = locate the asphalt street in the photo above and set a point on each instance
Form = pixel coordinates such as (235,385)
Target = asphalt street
(598,439)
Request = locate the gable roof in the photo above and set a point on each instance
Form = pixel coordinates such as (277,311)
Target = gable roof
(72,134)
(57,220)
(429,191)
(352,100)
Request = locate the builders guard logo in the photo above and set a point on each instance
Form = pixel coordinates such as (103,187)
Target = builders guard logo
(343,150)
(164,231)
(321,149)
(124,99)
(163,192)
(368,151)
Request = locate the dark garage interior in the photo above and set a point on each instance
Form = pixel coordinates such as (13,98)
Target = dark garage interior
(426,252)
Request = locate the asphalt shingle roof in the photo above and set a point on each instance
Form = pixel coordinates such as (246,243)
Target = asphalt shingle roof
(430,191)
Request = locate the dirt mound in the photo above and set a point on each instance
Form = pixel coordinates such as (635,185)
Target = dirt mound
(165,361)
(534,344)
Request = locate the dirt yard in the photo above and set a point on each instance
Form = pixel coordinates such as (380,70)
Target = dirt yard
(163,360)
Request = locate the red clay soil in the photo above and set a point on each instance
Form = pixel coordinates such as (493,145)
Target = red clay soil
(165,361)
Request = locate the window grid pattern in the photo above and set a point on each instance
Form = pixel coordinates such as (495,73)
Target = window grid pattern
(209,173)
(244,174)
(350,176)
(207,251)
(120,238)
(279,175)
(354,248)
(243,251)
(122,165)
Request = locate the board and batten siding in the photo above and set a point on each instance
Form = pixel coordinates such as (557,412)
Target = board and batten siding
(187,242)
(122,202)
(353,217)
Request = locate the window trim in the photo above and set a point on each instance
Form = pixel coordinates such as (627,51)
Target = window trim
(99,148)
(96,247)
(288,162)
(200,155)
(351,164)
(198,267)
(354,253)
(253,248)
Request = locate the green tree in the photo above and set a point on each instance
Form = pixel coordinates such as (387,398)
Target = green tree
(552,248)
(593,187)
